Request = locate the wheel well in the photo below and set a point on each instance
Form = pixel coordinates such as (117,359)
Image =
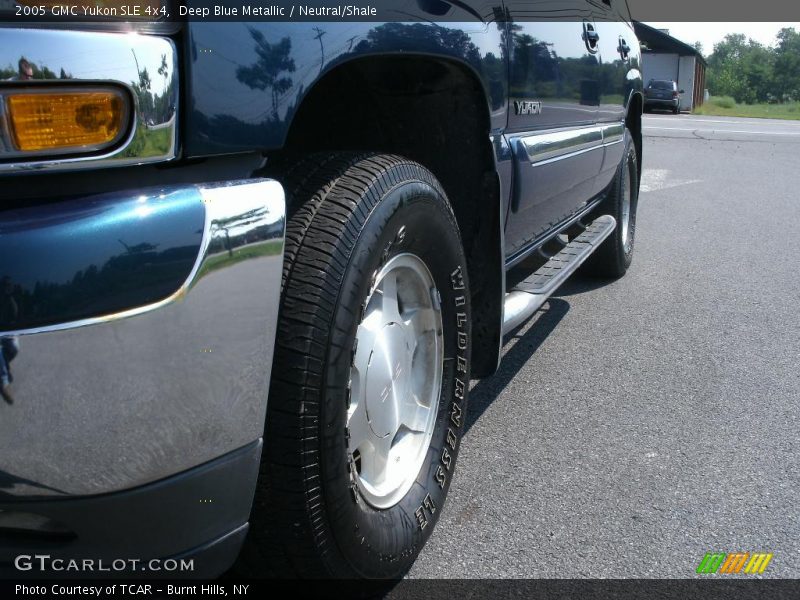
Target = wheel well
(633,121)
(435,112)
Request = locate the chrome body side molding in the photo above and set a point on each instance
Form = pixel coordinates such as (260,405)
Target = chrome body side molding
(544,147)
(556,145)
(613,133)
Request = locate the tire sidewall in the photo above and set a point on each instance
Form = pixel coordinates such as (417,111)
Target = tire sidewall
(413,217)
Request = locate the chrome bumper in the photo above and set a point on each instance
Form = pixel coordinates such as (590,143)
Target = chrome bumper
(662,101)
(145,325)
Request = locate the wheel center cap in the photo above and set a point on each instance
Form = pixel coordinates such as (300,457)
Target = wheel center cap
(387,379)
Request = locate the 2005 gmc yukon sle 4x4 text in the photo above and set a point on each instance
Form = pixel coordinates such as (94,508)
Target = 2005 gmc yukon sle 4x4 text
(248,269)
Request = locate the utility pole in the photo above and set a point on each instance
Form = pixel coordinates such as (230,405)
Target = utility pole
(136,60)
(141,87)
(319,35)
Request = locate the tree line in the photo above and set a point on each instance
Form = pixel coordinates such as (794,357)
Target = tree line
(751,72)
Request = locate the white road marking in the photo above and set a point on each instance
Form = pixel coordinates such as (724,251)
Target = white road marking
(654,180)
(753,121)
(646,127)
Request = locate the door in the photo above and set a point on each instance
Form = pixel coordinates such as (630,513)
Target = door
(617,58)
(552,129)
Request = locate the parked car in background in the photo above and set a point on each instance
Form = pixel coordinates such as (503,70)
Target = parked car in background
(662,93)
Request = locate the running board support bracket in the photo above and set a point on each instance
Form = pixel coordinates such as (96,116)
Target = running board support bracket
(529,295)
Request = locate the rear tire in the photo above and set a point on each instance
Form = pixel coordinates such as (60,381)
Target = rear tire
(614,256)
(324,507)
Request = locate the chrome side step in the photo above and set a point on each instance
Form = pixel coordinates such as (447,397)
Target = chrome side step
(529,295)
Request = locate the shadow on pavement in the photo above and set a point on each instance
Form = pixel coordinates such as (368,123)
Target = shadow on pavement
(8,481)
(524,346)
(579,285)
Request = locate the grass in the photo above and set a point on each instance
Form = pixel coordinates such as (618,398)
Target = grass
(149,142)
(725,106)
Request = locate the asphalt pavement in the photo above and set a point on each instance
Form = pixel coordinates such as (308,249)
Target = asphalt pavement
(635,425)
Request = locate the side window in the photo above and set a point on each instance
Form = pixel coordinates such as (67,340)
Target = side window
(616,10)
(616,48)
(599,5)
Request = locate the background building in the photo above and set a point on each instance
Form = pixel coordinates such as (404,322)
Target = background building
(664,57)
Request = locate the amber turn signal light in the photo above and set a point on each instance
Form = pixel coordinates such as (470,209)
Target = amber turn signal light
(67,120)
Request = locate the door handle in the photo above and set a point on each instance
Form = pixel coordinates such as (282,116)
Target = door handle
(623,48)
(590,36)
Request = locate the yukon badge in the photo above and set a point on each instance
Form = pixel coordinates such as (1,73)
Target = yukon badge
(527,107)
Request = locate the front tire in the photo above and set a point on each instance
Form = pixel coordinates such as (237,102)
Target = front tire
(371,371)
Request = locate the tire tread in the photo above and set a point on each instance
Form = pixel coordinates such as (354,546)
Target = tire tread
(329,198)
